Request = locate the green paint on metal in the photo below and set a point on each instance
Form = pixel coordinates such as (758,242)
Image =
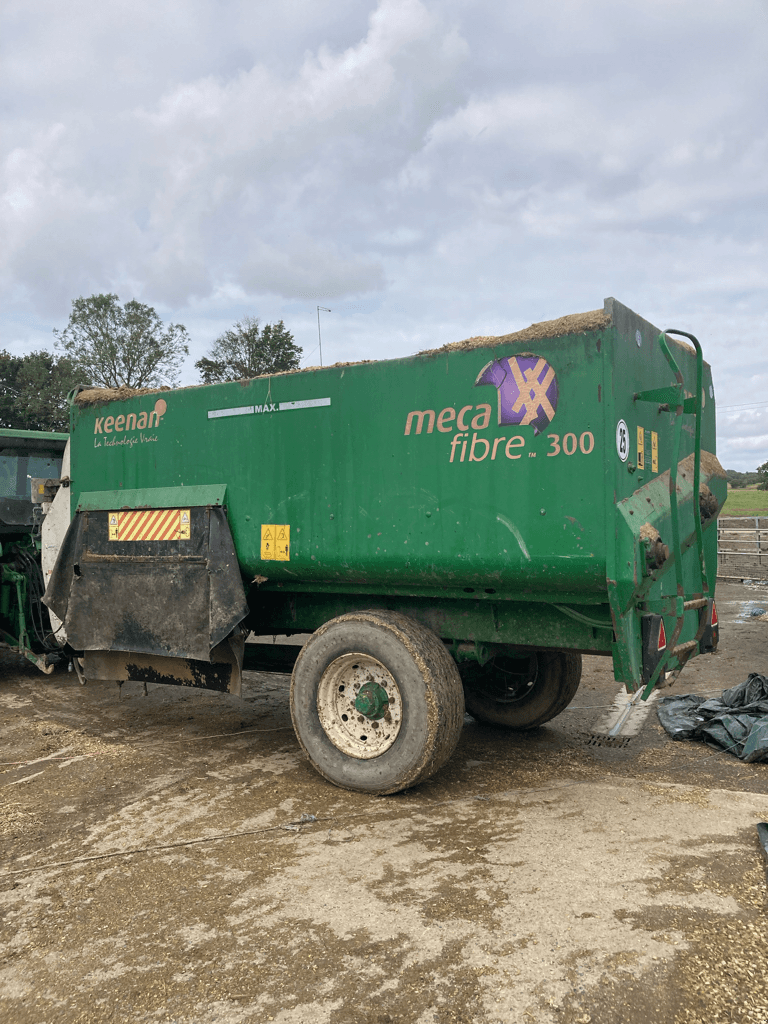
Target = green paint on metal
(668,396)
(675,657)
(33,436)
(488,595)
(583,618)
(372,701)
(152,497)
(525,624)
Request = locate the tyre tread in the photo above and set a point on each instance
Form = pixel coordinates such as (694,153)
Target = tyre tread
(565,665)
(443,692)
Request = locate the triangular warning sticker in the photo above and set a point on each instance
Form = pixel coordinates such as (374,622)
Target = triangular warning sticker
(662,637)
(184,517)
(113,520)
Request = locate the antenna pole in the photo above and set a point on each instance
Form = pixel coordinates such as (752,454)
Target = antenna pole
(319,339)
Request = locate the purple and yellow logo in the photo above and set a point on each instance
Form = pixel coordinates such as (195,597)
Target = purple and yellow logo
(527,390)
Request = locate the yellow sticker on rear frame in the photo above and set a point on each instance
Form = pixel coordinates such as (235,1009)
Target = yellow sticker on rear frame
(275,542)
(149,524)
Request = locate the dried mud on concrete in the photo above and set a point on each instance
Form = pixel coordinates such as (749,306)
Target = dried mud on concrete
(155,865)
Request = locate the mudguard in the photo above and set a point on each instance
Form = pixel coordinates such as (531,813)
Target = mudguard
(173,598)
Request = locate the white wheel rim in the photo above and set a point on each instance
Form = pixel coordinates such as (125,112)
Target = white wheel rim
(348,729)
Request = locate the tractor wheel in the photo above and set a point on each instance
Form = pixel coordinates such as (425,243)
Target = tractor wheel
(521,691)
(376,701)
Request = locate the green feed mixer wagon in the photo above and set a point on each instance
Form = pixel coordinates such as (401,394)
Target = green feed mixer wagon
(456,527)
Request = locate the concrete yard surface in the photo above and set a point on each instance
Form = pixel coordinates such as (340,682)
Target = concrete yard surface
(173,857)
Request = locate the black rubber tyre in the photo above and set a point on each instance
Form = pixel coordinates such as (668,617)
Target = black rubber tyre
(521,691)
(424,715)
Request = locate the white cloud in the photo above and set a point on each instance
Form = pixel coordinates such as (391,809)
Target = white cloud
(452,167)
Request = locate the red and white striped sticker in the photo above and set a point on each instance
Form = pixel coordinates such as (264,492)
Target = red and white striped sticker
(150,524)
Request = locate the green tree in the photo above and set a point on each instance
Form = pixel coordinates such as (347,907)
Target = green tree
(737,479)
(763,471)
(246,351)
(33,391)
(114,346)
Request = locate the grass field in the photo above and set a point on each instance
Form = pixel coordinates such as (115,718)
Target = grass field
(746,503)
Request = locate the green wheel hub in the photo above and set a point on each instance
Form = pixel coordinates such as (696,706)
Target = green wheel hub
(372,701)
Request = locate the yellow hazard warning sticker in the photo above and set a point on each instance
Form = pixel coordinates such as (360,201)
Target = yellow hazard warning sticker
(640,448)
(275,542)
(654,452)
(149,524)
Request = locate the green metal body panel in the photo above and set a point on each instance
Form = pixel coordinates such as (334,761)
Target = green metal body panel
(525,624)
(153,497)
(35,437)
(403,487)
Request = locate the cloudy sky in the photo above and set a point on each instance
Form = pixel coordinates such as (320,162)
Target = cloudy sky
(428,169)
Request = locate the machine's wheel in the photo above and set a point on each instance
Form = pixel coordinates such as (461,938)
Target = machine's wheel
(521,691)
(376,701)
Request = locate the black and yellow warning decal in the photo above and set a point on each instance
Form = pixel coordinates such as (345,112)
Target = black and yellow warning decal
(275,542)
(641,447)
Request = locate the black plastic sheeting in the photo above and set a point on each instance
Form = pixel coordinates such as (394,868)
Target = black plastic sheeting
(737,721)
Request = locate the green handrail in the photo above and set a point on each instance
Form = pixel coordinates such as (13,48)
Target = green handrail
(675,395)
(694,406)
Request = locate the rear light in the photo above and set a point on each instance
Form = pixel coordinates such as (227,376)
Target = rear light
(654,637)
(654,644)
(662,641)
(711,634)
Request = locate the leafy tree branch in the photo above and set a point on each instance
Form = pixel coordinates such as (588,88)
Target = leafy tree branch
(114,345)
(33,391)
(247,351)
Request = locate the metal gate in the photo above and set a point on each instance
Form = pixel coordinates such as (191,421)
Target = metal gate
(742,547)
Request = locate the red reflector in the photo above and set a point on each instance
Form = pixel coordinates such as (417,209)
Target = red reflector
(662,637)
(714,614)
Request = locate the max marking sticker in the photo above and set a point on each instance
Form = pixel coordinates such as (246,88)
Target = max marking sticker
(248,410)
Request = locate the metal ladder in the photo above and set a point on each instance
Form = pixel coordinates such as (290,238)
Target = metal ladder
(668,398)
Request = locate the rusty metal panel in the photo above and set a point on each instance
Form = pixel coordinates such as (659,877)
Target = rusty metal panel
(223,672)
